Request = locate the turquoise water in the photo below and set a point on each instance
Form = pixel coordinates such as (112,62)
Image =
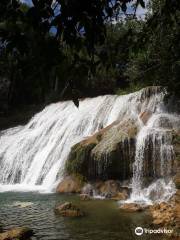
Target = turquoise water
(103,220)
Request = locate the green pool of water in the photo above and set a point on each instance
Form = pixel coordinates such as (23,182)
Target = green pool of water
(103,220)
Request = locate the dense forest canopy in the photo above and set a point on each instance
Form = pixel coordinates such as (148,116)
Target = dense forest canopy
(53,50)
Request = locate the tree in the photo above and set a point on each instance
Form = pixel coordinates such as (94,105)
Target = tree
(157,60)
(34,39)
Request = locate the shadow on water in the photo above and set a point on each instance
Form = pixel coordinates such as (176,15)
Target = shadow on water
(103,220)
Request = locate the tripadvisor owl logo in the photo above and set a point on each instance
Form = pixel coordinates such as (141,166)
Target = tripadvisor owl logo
(139,231)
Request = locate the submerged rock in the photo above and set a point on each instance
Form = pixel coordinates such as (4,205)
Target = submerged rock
(132,207)
(68,210)
(85,197)
(21,233)
(22,204)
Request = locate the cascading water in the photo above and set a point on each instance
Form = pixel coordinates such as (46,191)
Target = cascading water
(154,148)
(32,157)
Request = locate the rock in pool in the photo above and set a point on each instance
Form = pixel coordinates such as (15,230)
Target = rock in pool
(20,233)
(68,209)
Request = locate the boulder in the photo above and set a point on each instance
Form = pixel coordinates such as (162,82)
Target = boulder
(67,209)
(21,233)
(108,154)
(70,184)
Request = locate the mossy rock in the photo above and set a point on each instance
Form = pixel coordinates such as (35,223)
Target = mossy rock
(78,159)
(108,154)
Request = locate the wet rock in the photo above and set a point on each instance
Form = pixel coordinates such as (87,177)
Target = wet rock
(145,116)
(167,213)
(177,180)
(109,188)
(68,210)
(21,233)
(88,189)
(162,214)
(132,207)
(22,204)
(150,91)
(85,197)
(120,196)
(163,122)
(176,145)
(70,184)
(108,154)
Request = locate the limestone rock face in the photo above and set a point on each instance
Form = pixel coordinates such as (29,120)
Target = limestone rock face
(21,233)
(108,154)
(68,210)
(144,116)
(70,184)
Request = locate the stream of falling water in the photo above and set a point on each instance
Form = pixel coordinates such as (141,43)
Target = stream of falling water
(32,157)
(155,139)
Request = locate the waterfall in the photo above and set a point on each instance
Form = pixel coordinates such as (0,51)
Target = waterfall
(154,139)
(32,157)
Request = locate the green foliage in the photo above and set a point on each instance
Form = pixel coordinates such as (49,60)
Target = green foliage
(130,89)
(157,61)
(40,62)
(58,50)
